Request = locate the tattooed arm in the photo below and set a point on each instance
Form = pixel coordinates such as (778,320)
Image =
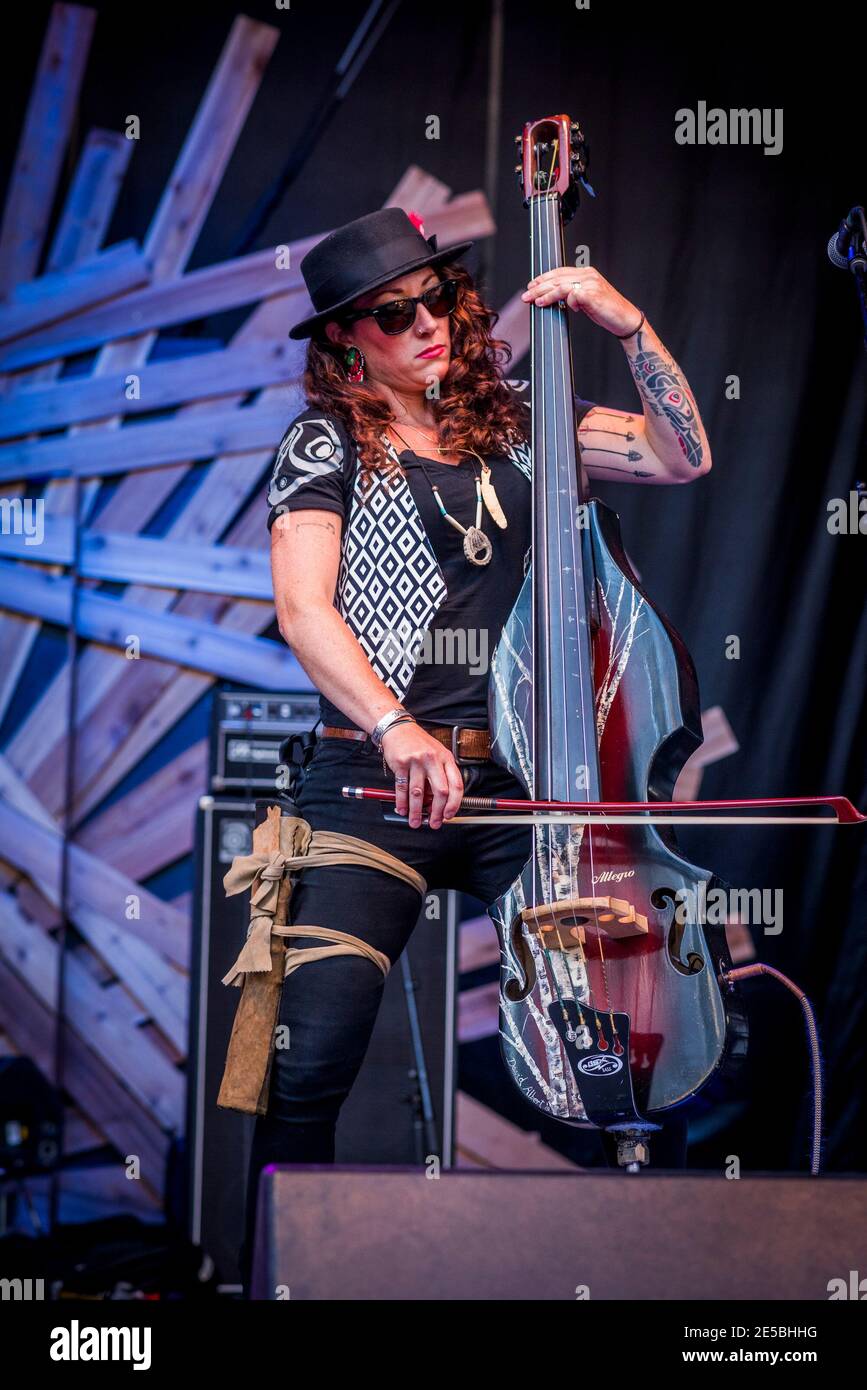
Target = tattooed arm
(668,444)
(665,444)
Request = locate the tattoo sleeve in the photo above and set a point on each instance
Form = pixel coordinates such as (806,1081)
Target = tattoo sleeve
(664,390)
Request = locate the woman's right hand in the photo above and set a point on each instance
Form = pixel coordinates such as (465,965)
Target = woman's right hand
(422,759)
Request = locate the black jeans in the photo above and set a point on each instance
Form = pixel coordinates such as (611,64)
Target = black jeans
(330,1006)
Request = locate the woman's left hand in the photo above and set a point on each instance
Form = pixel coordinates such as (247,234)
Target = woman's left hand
(582,287)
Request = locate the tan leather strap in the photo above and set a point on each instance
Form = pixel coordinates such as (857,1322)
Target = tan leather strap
(347,945)
(301,848)
(471,745)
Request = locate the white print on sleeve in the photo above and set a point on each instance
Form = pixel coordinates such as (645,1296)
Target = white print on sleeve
(309,449)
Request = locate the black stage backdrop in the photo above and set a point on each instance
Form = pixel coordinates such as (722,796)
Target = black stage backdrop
(724,248)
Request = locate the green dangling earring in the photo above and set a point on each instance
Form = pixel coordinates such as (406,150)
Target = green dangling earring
(353,360)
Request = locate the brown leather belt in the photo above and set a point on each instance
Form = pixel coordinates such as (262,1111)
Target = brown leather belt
(468,745)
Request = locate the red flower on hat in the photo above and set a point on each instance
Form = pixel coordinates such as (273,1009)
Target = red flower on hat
(415,219)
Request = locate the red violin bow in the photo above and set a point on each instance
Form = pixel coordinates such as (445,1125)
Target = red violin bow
(624,812)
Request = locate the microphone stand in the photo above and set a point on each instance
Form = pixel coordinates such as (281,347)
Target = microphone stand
(858,267)
(856,260)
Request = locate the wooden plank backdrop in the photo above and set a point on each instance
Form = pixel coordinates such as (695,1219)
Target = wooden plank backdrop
(197,598)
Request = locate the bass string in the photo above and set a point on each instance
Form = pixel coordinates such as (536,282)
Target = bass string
(538,401)
(557,355)
(588,718)
(544,204)
(559,326)
(549,319)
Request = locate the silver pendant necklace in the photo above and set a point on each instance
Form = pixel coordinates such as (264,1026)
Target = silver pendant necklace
(477,546)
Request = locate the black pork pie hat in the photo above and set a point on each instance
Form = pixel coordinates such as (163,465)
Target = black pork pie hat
(361,256)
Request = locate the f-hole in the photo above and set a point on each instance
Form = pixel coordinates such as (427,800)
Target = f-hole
(666,898)
(513,989)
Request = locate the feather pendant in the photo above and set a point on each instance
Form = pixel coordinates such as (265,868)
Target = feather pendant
(490,498)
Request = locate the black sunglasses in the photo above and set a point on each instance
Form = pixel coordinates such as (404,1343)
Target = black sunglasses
(399,314)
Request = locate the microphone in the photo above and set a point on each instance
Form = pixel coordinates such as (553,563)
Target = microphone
(838,246)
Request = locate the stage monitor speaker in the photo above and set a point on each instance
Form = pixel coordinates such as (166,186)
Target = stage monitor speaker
(348,1234)
(401,1108)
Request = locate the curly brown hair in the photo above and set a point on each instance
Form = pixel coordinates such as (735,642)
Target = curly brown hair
(475,408)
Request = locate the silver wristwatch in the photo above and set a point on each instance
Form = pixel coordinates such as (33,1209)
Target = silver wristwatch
(394,716)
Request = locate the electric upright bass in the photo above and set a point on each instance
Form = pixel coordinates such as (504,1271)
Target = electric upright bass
(613,1009)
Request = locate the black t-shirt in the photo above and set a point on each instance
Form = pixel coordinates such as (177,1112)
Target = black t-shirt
(450,682)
